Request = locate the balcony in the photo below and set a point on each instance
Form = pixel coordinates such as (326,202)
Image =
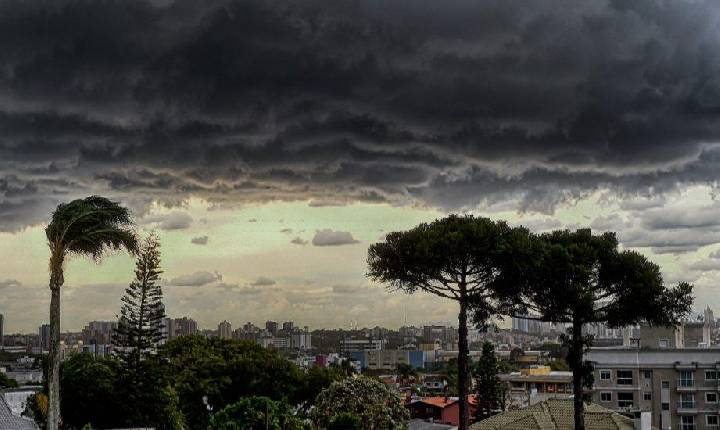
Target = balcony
(686,385)
(682,426)
(686,407)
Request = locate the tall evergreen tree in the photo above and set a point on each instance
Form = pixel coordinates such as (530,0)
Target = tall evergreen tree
(139,328)
(454,258)
(578,278)
(489,389)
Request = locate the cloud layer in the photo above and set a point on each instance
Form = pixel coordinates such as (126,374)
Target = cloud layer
(471,103)
(327,237)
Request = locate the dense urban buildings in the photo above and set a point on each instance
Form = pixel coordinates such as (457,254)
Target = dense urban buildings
(673,373)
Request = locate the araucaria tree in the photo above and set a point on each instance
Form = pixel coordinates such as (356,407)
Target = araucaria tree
(139,330)
(454,258)
(579,278)
(87,227)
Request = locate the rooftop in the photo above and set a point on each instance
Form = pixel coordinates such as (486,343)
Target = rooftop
(555,414)
(9,421)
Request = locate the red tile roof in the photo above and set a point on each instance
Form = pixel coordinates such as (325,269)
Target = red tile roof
(443,402)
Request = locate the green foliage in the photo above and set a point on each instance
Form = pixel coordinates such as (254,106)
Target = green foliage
(577,277)
(107,394)
(36,408)
(139,328)
(405,371)
(315,380)
(580,278)
(100,392)
(86,227)
(345,421)
(450,373)
(453,257)
(88,387)
(223,371)
(559,365)
(6,382)
(90,226)
(489,389)
(377,407)
(458,258)
(256,413)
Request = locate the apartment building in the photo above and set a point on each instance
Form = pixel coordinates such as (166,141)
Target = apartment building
(389,359)
(679,386)
(536,384)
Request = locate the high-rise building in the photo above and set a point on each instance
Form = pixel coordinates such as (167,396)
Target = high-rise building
(2,338)
(288,326)
(709,317)
(251,328)
(271,327)
(225,330)
(301,339)
(184,326)
(44,337)
(98,332)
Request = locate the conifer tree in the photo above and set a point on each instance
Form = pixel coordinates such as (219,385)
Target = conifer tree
(489,389)
(139,330)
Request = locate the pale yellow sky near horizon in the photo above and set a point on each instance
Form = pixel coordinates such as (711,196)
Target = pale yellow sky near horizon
(250,271)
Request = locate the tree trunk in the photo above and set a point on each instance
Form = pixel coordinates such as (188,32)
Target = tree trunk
(463,361)
(53,417)
(577,368)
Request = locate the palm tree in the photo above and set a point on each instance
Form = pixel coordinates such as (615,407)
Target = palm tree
(86,227)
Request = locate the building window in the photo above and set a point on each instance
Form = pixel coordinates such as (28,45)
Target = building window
(624,377)
(663,343)
(625,400)
(687,422)
(604,375)
(665,384)
(647,395)
(712,420)
(686,378)
(711,375)
(687,401)
(606,396)
(711,397)
(647,374)
(665,406)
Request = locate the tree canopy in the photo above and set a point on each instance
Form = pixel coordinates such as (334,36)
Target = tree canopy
(86,227)
(139,330)
(579,278)
(257,413)
(377,407)
(456,258)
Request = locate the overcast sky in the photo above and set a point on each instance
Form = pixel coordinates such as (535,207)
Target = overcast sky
(270,142)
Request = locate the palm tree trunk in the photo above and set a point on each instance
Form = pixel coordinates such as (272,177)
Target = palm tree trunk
(577,345)
(53,417)
(463,362)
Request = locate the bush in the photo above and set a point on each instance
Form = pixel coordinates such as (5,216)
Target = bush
(256,413)
(377,407)
(345,421)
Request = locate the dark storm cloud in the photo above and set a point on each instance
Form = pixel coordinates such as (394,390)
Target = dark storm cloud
(453,104)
